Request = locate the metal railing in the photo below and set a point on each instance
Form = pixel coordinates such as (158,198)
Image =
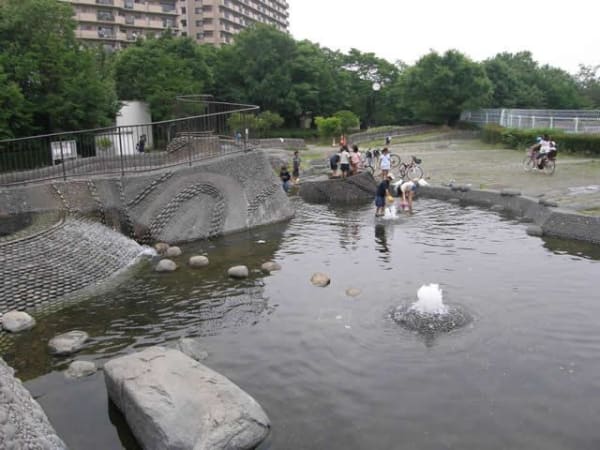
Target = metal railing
(129,149)
(568,120)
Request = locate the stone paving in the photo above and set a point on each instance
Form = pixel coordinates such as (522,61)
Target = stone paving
(574,185)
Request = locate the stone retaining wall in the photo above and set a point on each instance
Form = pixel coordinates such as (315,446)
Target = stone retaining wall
(219,196)
(23,423)
(553,221)
(286,144)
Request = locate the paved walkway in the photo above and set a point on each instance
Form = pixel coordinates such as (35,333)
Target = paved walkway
(574,185)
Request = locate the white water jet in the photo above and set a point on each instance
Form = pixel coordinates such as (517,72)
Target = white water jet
(430,300)
(390,212)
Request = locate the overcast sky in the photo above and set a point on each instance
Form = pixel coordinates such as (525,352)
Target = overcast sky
(563,34)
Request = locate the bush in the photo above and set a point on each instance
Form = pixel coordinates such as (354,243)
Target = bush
(519,139)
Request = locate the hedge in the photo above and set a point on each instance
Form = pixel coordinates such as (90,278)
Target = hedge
(519,139)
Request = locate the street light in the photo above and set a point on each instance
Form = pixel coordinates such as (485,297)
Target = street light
(376,88)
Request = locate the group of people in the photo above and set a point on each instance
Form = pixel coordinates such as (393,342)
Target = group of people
(349,162)
(404,189)
(284,175)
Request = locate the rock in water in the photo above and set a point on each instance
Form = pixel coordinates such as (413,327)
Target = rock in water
(80,369)
(171,401)
(192,348)
(320,279)
(166,265)
(238,272)
(67,343)
(15,321)
(270,267)
(198,261)
(353,292)
(173,252)
(161,248)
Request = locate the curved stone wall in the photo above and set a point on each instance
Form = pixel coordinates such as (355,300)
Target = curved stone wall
(552,221)
(218,196)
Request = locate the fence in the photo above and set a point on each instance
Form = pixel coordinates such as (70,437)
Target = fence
(571,121)
(129,149)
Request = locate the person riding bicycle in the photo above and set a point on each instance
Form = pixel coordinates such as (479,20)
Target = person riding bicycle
(543,148)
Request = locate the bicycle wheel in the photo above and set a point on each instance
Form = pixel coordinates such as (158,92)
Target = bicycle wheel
(394,160)
(528,164)
(549,166)
(402,170)
(415,172)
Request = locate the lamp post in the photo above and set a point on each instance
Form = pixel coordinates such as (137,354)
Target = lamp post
(376,88)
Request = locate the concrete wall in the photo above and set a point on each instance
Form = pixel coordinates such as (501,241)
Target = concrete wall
(552,221)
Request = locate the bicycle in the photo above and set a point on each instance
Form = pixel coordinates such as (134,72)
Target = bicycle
(546,163)
(411,169)
(370,163)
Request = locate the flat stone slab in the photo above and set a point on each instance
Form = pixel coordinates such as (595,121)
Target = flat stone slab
(171,401)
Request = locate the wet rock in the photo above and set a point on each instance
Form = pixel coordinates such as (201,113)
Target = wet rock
(67,343)
(549,203)
(165,265)
(320,279)
(192,348)
(15,321)
(510,192)
(173,252)
(353,292)
(80,369)
(497,208)
(161,247)
(171,401)
(238,272)
(534,230)
(198,261)
(270,267)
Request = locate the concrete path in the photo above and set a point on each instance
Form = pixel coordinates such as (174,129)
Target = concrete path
(574,185)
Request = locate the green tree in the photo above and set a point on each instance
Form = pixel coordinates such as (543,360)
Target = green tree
(268,120)
(157,70)
(13,115)
(519,82)
(588,81)
(439,87)
(348,120)
(59,80)
(256,69)
(329,126)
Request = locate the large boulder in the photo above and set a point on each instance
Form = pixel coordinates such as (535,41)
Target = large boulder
(354,189)
(171,401)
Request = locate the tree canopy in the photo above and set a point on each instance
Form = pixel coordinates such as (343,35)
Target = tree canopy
(49,81)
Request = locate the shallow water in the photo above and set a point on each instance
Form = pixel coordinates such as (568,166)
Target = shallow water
(335,372)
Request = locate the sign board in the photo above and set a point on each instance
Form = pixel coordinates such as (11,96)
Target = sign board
(62,150)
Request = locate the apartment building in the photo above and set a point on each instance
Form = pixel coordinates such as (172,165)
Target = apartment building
(115,23)
(217,21)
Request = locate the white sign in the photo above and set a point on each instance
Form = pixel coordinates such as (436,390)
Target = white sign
(63,150)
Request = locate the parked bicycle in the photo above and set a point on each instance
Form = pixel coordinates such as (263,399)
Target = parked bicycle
(412,170)
(371,160)
(545,163)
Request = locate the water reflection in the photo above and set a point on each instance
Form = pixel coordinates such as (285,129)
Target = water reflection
(381,241)
(571,247)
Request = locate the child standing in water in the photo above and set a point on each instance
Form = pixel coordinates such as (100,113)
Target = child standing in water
(385,163)
(383,190)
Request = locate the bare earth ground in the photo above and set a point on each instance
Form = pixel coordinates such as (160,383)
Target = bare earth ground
(574,185)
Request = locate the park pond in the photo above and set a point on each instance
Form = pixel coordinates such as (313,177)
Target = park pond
(335,371)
